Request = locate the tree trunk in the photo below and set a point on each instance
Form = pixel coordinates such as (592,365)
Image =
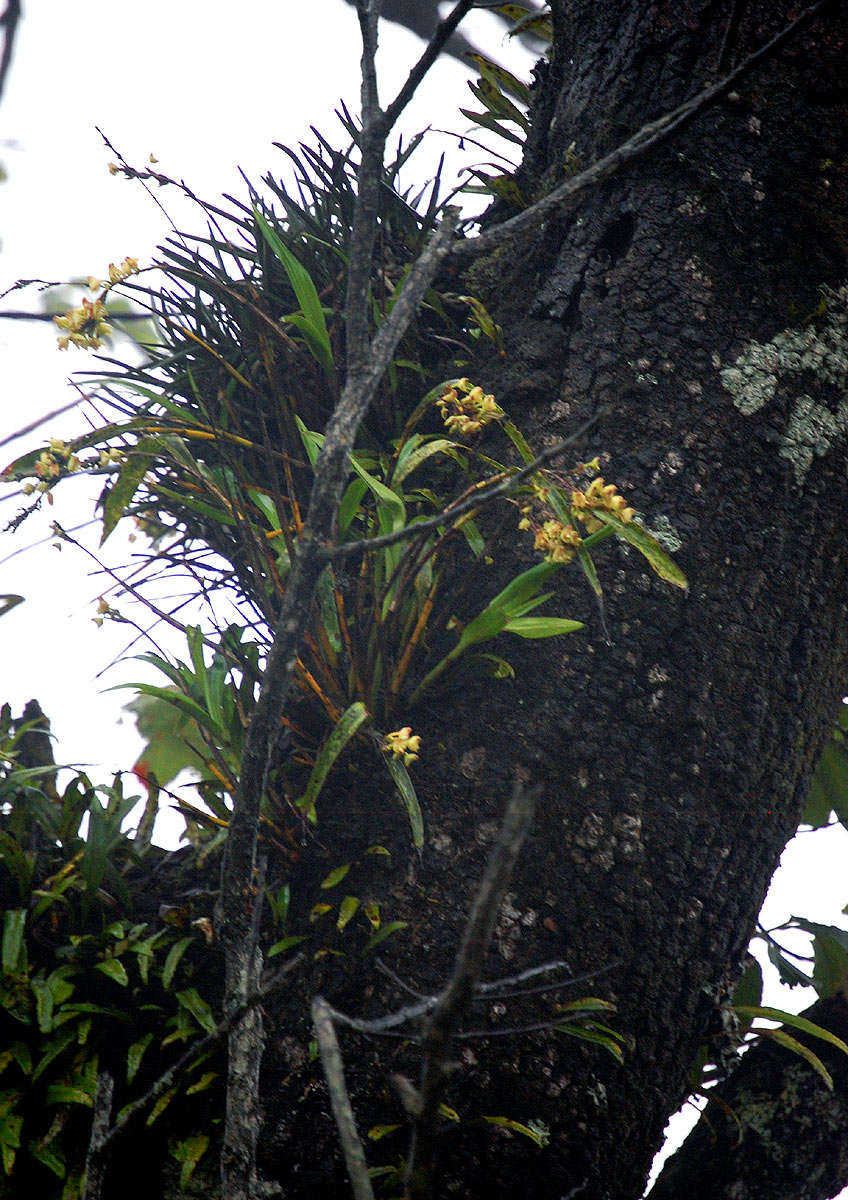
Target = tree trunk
(698,303)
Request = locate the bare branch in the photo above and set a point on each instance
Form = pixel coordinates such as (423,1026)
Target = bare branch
(443,31)
(458,994)
(95,1163)
(331,1061)
(9,22)
(646,139)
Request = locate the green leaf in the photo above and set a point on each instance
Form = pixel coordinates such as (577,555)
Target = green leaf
(791,1043)
(114,969)
(412,456)
(810,1027)
(334,877)
(506,606)
(830,971)
(203,1084)
(586,1004)
(136,466)
(284,944)
(516,1126)
(173,960)
(135,1054)
(310,321)
(380,1131)
(541,627)
(648,547)
(347,910)
(191,1000)
(14,923)
(406,791)
(160,1106)
(381,934)
(593,1033)
(60,1093)
(829,788)
(188,1153)
(347,725)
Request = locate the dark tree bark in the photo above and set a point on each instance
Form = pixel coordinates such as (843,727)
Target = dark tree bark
(698,302)
(773,1130)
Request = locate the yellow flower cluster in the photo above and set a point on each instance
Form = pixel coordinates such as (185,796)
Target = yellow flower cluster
(465,410)
(86,326)
(558,541)
(402,744)
(57,460)
(600,495)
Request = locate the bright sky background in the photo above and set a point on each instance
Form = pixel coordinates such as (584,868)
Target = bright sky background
(206,88)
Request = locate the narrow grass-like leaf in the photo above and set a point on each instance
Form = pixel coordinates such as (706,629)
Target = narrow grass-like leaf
(381,935)
(347,725)
(541,627)
(406,791)
(311,320)
(775,1014)
(791,1043)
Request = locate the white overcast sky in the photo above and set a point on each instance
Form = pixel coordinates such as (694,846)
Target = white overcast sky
(206,86)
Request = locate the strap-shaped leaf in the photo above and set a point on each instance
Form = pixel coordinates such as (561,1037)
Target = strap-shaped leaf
(647,546)
(349,722)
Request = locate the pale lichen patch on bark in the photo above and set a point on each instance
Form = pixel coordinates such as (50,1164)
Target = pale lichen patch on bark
(820,350)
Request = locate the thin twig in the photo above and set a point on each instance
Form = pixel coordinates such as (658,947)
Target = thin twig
(458,994)
(331,1061)
(443,31)
(645,140)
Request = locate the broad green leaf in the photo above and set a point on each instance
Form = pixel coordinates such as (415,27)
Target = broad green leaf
(188,1153)
(509,603)
(648,547)
(830,972)
(791,1043)
(810,1027)
(60,1093)
(334,877)
(381,935)
(136,466)
(829,788)
(500,76)
(191,1000)
(346,727)
(14,923)
(54,1049)
(347,910)
(114,969)
(406,791)
(541,627)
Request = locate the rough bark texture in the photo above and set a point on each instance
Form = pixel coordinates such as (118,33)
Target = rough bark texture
(777,1132)
(701,298)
